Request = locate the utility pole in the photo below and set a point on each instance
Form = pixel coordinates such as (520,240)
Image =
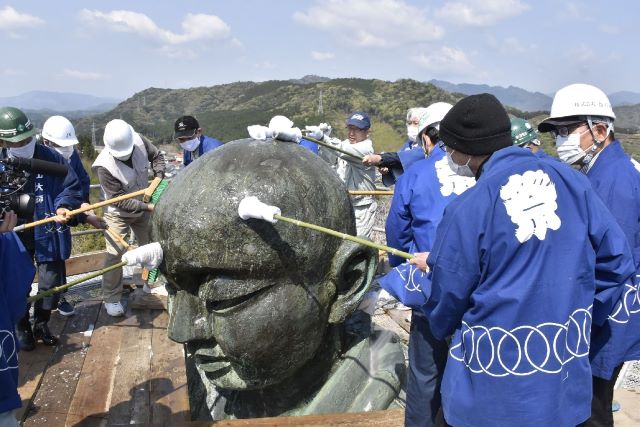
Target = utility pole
(93,134)
(320,109)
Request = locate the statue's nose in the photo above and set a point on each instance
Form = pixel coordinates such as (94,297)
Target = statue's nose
(188,319)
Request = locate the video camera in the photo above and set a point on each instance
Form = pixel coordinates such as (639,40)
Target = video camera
(14,175)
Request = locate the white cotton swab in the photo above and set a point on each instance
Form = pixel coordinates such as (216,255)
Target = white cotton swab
(252,207)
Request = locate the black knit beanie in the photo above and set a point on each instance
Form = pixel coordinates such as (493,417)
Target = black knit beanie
(476,125)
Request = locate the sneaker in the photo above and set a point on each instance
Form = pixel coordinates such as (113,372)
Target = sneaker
(65,307)
(114,309)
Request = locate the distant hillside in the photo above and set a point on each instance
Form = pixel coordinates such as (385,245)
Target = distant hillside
(512,96)
(225,111)
(59,101)
(628,118)
(624,98)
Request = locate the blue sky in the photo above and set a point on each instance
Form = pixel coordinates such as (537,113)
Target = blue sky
(117,48)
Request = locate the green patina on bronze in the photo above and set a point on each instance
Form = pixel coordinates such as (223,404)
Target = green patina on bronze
(262,307)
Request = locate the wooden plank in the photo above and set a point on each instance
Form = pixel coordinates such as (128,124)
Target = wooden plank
(85,263)
(130,397)
(142,300)
(167,382)
(51,402)
(32,365)
(388,418)
(94,388)
(401,317)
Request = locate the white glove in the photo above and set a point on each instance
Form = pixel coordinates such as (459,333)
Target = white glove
(252,207)
(279,123)
(325,128)
(314,132)
(291,134)
(260,132)
(148,256)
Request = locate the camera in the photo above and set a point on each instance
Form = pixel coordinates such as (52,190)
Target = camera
(14,175)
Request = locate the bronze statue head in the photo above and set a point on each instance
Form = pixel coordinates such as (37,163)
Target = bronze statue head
(256,302)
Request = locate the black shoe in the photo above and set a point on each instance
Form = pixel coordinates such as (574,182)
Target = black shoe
(41,332)
(25,335)
(65,307)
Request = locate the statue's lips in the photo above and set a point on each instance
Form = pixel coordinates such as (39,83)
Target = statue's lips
(211,360)
(224,294)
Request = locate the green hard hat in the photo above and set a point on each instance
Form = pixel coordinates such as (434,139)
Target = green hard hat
(15,126)
(522,133)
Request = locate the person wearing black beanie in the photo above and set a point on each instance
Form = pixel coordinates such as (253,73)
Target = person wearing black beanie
(525,265)
(477,126)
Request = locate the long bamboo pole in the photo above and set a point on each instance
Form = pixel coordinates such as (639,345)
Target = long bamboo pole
(345,236)
(81,210)
(332,147)
(61,288)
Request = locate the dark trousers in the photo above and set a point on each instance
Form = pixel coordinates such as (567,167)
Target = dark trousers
(50,275)
(427,359)
(601,414)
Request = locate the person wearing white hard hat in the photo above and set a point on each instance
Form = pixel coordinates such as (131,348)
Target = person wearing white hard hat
(419,200)
(582,120)
(392,165)
(123,167)
(58,133)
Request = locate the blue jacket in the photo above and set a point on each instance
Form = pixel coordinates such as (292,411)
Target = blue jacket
(16,274)
(206,144)
(85,183)
(616,179)
(52,240)
(409,153)
(523,263)
(418,203)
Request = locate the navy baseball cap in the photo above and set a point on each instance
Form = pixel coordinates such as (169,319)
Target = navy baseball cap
(185,126)
(359,119)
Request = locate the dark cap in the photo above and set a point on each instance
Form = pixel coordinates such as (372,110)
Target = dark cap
(476,125)
(359,119)
(185,126)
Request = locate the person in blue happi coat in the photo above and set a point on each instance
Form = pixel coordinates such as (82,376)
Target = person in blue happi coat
(59,134)
(194,143)
(16,274)
(419,200)
(582,122)
(523,264)
(49,244)
(393,164)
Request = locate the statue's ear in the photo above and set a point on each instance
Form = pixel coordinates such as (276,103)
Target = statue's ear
(352,271)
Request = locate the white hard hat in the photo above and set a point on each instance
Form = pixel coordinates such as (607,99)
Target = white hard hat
(577,100)
(433,114)
(118,138)
(59,130)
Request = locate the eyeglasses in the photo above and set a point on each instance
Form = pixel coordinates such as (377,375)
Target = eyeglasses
(567,130)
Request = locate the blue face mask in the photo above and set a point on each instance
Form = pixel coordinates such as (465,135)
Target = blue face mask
(462,170)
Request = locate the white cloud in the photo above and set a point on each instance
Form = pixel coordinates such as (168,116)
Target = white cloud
(480,13)
(322,56)
(446,61)
(371,23)
(583,54)
(195,26)
(12,20)
(264,65)
(8,72)
(84,75)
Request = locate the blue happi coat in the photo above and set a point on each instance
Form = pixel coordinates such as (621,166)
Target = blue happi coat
(410,153)
(206,144)
(16,274)
(85,184)
(53,240)
(523,263)
(615,177)
(418,203)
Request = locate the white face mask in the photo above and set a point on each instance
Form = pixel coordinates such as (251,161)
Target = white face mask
(462,170)
(191,144)
(65,152)
(568,147)
(25,151)
(412,133)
